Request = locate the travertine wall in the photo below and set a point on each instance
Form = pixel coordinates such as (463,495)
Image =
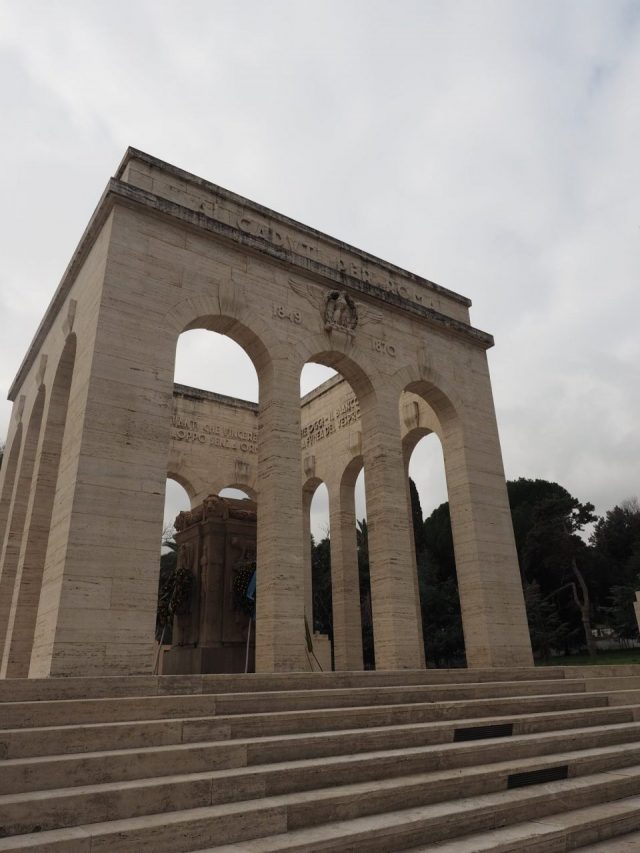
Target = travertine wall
(166,252)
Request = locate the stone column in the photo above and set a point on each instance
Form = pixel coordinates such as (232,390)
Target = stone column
(345,584)
(17,515)
(280,637)
(98,602)
(28,583)
(8,476)
(493,612)
(397,636)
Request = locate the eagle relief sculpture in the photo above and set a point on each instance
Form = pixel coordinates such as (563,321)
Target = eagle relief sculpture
(340,312)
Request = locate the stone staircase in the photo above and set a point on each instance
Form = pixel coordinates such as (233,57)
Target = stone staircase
(537,760)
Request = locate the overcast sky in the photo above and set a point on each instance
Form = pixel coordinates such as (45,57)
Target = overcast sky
(489,146)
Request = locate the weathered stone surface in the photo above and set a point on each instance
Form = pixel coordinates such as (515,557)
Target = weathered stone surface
(94,434)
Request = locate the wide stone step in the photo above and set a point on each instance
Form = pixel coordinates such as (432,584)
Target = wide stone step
(557,833)
(627,843)
(47,689)
(579,809)
(89,737)
(70,711)
(368,783)
(475,743)
(289,822)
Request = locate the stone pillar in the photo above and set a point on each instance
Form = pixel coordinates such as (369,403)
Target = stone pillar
(26,592)
(493,612)
(636,607)
(8,477)
(397,636)
(98,602)
(17,514)
(280,637)
(345,584)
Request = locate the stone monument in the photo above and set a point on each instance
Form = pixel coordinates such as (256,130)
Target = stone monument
(216,550)
(97,426)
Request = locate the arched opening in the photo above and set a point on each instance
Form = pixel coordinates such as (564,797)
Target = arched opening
(30,569)
(331,445)
(213,452)
(441,619)
(318,609)
(17,515)
(362,546)
(238,492)
(177,498)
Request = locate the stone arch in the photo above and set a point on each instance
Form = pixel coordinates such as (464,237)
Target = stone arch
(24,605)
(242,487)
(183,481)
(10,466)
(437,392)
(16,524)
(249,330)
(348,367)
(351,471)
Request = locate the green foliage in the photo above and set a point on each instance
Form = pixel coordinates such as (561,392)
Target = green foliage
(168,561)
(621,614)
(547,630)
(366,611)
(441,616)
(438,541)
(321,579)
(174,592)
(525,496)
(567,581)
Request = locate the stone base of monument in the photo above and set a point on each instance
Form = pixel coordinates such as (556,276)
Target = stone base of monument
(455,761)
(216,549)
(181,660)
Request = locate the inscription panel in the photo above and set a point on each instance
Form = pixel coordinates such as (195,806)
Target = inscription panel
(197,431)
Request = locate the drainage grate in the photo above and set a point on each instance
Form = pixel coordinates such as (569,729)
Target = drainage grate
(480,732)
(537,777)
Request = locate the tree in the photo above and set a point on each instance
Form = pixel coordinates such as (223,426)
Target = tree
(168,565)
(366,611)
(321,585)
(416,515)
(615,540)
(546,629)
(438,541)
(438,583)
(553,545)
(621,613)
(525,496)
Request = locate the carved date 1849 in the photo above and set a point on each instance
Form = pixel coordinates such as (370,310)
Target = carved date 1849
(284,313)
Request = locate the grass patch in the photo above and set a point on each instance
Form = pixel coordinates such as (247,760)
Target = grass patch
(611,658)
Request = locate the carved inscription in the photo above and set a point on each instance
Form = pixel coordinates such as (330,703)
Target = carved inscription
(383,347)
(348,412)
(296,244)
(215,435)
(284,313)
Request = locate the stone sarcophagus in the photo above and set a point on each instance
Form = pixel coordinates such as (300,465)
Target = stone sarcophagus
(216,548)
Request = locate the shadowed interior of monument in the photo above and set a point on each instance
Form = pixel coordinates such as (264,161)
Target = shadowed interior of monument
(337,588)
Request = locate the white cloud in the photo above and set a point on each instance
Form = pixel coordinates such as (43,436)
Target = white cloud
(491,147)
